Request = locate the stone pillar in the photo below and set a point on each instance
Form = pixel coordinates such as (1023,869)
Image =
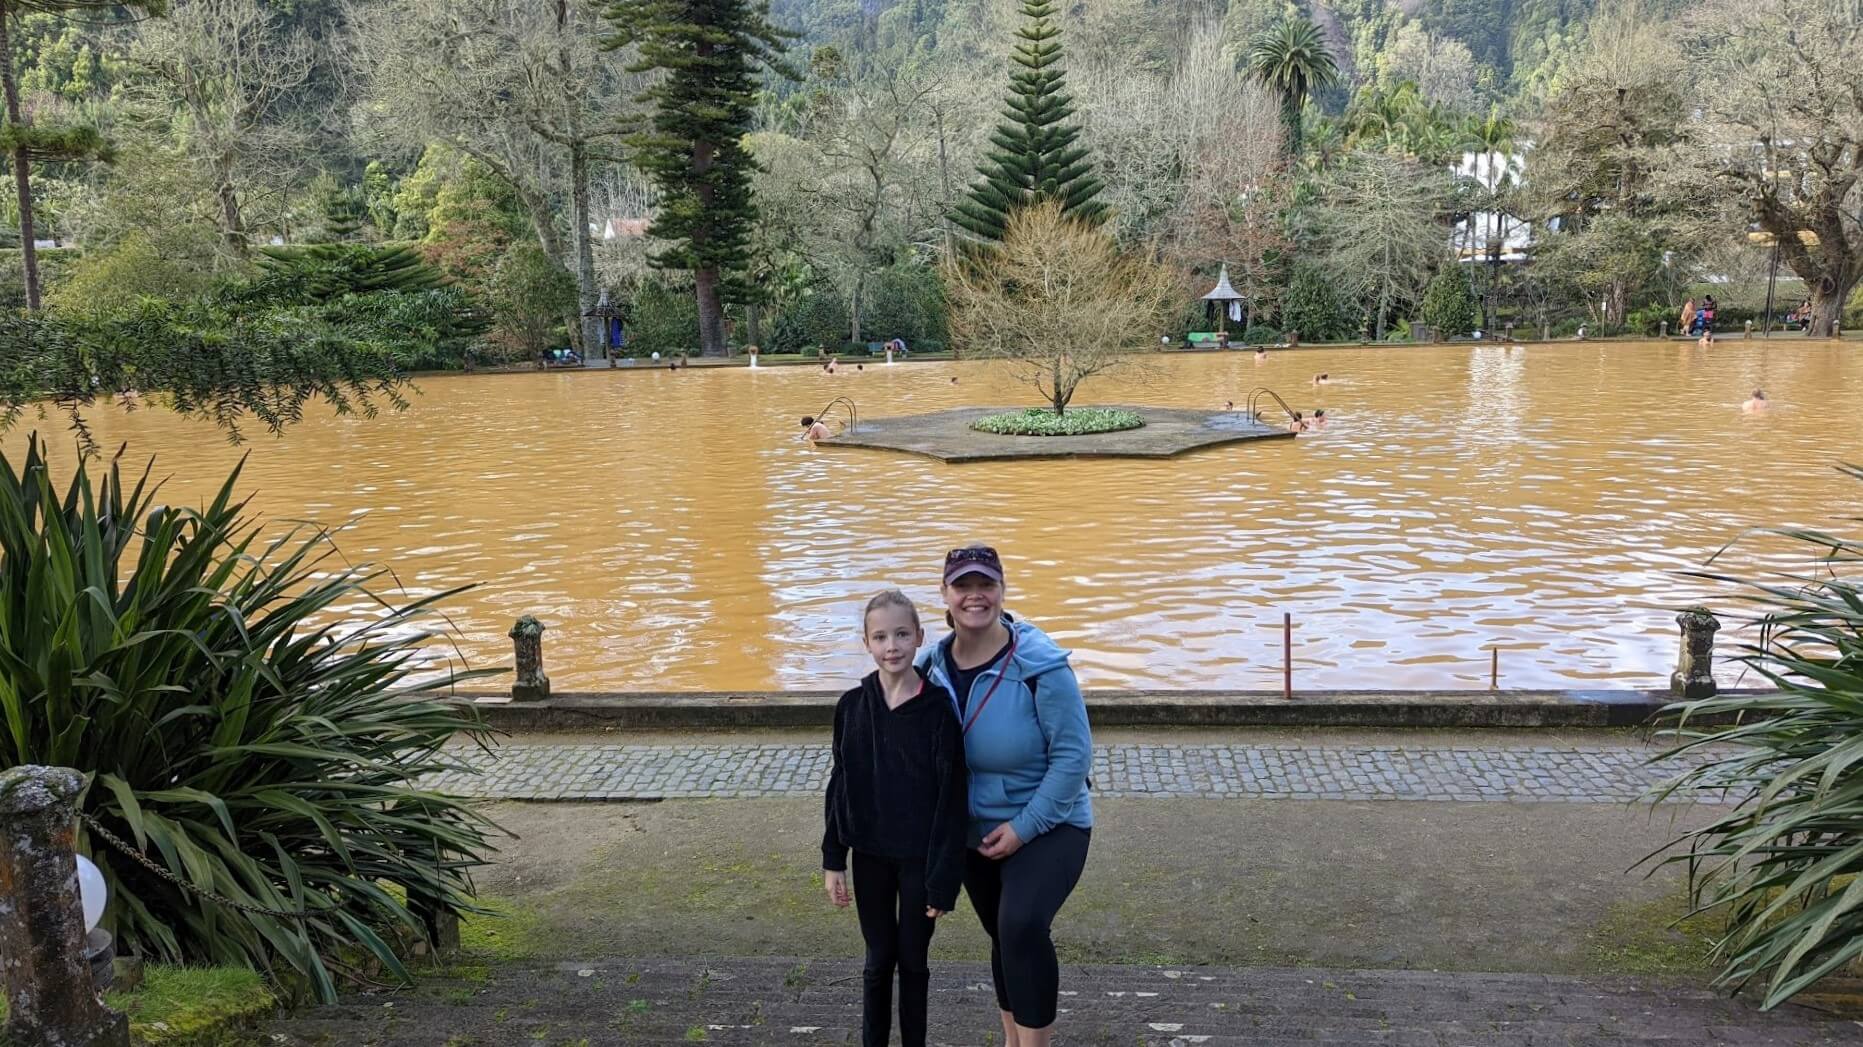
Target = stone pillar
(1694,664)
(42,955)
(1665,329)
(531,684)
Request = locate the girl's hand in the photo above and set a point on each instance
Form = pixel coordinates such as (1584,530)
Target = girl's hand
(836,884)
(932,913)
(1001,843)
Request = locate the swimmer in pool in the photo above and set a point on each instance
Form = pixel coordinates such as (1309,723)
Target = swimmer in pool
(1321,379)
(1755,403)
(1319,418)
(814,429)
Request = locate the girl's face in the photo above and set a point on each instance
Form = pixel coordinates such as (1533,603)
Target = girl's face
(975,601)
(893,638)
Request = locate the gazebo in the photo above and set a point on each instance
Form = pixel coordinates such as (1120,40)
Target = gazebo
(613,337)
(1227,304)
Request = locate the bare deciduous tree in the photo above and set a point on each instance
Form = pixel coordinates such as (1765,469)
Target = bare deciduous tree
(215,80)
(1780,97)
(1058,301)
(1379,222)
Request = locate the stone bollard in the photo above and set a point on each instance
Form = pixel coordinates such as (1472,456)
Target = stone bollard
(531,684)
(1694,663)
(42,956)
(1665,329)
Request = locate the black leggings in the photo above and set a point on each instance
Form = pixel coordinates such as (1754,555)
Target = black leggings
(889,895)
(1017,898)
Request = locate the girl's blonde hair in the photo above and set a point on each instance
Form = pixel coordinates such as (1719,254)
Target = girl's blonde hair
(890,598)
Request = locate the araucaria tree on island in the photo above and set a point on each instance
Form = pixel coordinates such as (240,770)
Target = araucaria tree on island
(710,52)
(1034,156)
(1058,300)
(26,143)
(1783,129)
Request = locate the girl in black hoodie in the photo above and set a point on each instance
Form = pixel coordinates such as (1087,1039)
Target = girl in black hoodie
(898,797)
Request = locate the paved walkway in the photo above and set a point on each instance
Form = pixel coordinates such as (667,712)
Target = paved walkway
(776,1001)
(1591,774)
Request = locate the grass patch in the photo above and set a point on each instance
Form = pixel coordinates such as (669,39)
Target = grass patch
(1040,421)
(1645,938)
(190,1006)
(511,931)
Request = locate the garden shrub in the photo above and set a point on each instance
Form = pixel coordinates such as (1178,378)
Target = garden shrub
(241,723)
(1449,307)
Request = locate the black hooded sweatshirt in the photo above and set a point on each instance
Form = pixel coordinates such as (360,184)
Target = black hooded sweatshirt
(899,788)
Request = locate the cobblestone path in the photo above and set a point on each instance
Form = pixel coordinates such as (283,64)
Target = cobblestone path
(635,1003)
(1598,774)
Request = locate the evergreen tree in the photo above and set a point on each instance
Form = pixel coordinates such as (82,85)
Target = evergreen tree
(1293,61)
(1035,157)
(710,51)
(25,143)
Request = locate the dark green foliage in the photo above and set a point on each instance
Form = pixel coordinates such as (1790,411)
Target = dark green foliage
(241,723)
(55,144)
(818,319)
(531,294)
(1313,306)
(1449,307)
(1261,334)
(710,52)
(325,272)
(664,320)
(904,301)
(1782,862)
(1034,156)
(1293,61)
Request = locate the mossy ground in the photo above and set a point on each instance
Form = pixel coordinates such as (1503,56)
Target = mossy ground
(191,1006)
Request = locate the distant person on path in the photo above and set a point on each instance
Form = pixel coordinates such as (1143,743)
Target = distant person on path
(1688,317)
(898,797)
(1029,750)
(814,429)
(1755,403)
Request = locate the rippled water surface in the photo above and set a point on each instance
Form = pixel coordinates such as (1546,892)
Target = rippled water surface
(676,536)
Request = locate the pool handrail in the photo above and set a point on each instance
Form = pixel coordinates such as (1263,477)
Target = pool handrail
(845,403)
(1255,396)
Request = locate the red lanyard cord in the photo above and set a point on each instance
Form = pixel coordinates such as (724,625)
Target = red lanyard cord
(1000,673)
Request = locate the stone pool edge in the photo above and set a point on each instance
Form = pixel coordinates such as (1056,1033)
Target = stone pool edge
(739,710)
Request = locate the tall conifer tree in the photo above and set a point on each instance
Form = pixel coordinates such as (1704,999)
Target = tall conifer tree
(26,143)
(1035,157)
(711,51)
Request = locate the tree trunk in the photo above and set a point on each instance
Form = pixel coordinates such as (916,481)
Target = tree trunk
(593,341)
(853,310)
(1826,309)
(232,225)
(711,312)
(22,169)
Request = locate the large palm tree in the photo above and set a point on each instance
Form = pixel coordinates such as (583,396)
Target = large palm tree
(1292,60)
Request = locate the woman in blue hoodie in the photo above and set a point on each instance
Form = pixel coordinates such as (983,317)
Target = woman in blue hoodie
(1029,750)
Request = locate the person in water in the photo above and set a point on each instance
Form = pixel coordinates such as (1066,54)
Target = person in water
(1229,405)
(899,798)
(1755,403)
(1319,418)
(1322,378)
(1298,425)
(814,429)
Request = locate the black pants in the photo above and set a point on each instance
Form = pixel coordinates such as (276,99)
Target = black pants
(1017,898)
(890,897)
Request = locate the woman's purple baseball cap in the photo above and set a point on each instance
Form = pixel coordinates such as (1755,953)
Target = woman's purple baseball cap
(972,559)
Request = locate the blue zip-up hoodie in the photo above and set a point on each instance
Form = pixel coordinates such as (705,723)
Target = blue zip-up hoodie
(1029,752)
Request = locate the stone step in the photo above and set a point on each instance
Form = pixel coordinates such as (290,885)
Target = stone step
(809,1002)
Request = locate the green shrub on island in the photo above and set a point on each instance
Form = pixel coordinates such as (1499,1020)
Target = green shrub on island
(251,716)
(1042,421)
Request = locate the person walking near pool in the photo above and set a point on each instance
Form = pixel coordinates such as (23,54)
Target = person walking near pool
(1029,749)
(897,798)
(1688,317)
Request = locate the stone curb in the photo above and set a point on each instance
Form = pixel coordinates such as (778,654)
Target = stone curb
(740,710)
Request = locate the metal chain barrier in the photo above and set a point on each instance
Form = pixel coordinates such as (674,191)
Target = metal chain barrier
(201,892)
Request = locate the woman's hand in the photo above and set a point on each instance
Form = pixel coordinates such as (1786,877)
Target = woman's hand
(1001,843)
(933,914)
(836,883)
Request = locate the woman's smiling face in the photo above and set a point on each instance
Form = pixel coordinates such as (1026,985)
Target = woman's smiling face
(975,601)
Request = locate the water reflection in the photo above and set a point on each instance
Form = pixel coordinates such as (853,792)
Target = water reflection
(675,535)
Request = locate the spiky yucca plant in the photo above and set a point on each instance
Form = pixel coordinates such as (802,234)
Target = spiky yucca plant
(238,724)
(1782,867)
